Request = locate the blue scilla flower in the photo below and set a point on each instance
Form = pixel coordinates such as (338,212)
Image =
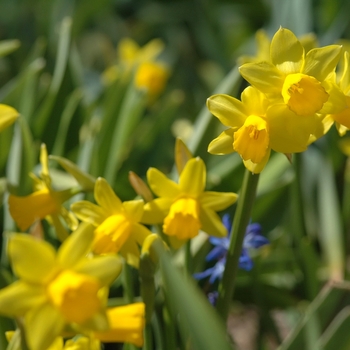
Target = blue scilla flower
(252,239)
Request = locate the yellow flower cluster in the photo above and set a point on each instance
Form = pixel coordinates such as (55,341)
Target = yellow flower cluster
(64,293)
(149,74)
(294,97)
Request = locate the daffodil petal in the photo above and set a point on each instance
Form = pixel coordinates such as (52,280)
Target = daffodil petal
(264,76)
(105,268)
(139,233)
(254,101)
(32,260)
(44,161)
(211,223)
(343,117)
(223,144)
(155,211)
(217,201)
(19,297)
(43,325)
(134,209)
(286,51)
(161,185)
(131,253)
(89,212)
(289,133)
(69,218)
(61,231)
(106,198)
(126,324)
(193,177)
(25,210)
(151,50)
(230,111)
(76,246)
(337,101)
(256,168)
(8,116)
(344,81)
(322,61)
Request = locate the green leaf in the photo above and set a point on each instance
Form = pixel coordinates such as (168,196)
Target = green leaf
(317,316)
(8,46)
(337,335)
(86,181)
(198,322)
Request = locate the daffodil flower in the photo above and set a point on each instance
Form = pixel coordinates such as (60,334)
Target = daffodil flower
(117,223)
(184,208)
(255,127)
(152,77)
(43,203)
(131,54)
(263,43)
(342,119)
(126,325)
(56,290)
(301,82)
(8,116)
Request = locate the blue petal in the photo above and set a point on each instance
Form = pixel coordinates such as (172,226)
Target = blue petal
(217,241)
(226,220)
(218,271)
(255,227)
(245,262)
(213,297)
(204,274)
(253,240)
(216,253)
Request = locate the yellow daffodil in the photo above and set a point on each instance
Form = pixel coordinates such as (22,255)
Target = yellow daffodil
(126,324)
(185,208)
(131,54)
(342,119)
(44,203)
(152,77)
(60,289)
(263,42)
(8,116)
(301,82)
(117,223)
(256,127)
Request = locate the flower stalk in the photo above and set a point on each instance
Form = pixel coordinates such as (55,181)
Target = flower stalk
(240,222)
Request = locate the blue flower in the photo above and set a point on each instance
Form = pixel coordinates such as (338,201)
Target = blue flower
(252,239)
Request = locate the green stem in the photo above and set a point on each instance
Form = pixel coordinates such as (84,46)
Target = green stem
(188,258)
(305,251)
(148,344)
(127,283)
(240,222)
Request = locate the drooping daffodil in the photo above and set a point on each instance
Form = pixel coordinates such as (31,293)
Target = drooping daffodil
(44,203)
(184,208)
(117,223)
(59,289)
